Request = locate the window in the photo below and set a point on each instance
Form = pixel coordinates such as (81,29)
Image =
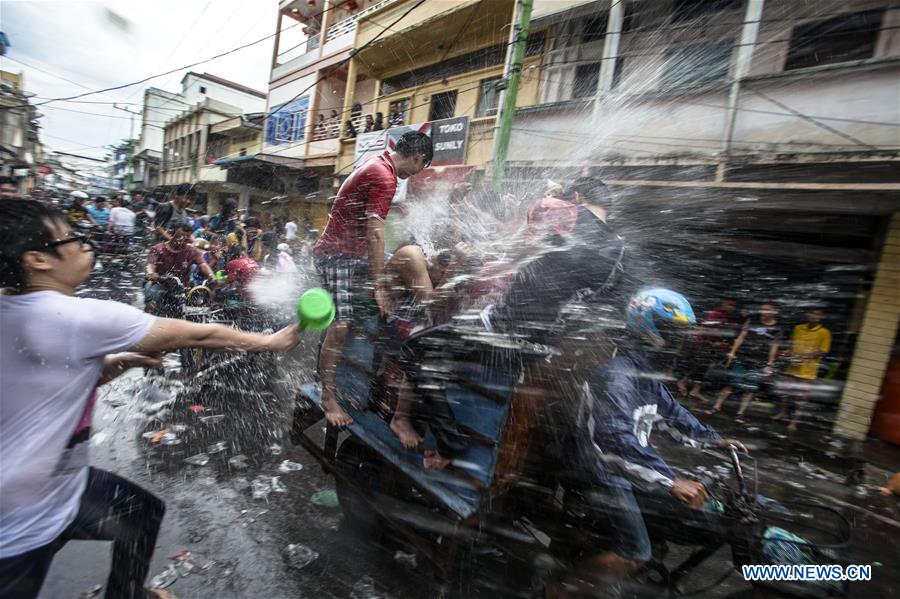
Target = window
(594,28)
(287,123)
(202,90)
(488,97)
(688,10)
(848,37)
(697,64)
(443,106)
(586,78)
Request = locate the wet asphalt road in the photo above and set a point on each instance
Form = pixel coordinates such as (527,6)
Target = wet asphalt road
(241,539)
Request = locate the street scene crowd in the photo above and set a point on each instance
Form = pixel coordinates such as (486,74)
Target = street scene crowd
(566,251)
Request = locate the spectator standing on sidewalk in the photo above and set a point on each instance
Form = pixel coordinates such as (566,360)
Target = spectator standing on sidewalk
(57,350)
(810,342)
(752,357)
(717,333)
(350,253)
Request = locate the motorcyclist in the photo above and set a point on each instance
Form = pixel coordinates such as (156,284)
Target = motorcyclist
(627,480)
(173,257)
(77,212)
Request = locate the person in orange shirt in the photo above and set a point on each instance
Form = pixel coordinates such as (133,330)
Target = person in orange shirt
(810,342)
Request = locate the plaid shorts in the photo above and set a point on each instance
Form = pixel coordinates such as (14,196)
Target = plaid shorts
(343,276)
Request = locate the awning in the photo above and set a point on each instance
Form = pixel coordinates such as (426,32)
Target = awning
(234,159)
(262,159)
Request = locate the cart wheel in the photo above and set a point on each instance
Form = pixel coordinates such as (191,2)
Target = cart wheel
(365,468)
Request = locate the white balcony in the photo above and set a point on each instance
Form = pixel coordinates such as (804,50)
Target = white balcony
(294,64)
(341,34)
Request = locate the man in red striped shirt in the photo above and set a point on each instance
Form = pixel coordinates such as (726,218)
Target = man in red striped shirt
(350,253)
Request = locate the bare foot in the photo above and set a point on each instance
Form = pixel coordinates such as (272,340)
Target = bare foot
(334,413)
(403,428)
(779,416)
(792,427)
(434,461)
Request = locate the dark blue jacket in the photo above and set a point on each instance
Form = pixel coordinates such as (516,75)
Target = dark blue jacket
(622,401)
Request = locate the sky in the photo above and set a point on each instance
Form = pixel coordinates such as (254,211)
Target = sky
(67,47)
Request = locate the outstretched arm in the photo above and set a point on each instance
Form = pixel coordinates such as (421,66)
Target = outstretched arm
(169,333)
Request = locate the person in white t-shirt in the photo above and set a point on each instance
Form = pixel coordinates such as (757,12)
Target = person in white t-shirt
(121,218)
(290,231)
(57,350)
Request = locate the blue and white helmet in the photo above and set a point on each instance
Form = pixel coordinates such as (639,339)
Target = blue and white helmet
(653,311)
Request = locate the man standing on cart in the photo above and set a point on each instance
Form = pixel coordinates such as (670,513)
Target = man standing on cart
(350,253)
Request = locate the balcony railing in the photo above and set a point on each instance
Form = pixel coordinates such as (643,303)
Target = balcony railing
(348,25)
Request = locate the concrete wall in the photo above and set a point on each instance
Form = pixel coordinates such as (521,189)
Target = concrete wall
(872,96)
(365,93)
(159,107)
(246,102)
(876,339)
(369,28)
(283,93)
(330,94)
(644,128)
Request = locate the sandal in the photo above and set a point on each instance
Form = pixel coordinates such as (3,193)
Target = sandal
(713,411)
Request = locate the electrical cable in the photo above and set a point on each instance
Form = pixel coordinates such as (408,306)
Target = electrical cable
(169,72)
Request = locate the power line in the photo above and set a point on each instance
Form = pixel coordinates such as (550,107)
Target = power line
(335,67)
(169,72)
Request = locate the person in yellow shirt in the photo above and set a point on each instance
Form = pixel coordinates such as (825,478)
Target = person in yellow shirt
(810,342)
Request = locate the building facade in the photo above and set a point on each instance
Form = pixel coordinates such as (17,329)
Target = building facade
(760,135)
(159,106)
(210,100)
(20,147)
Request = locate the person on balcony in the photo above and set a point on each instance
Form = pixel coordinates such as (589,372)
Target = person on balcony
(321,129)
(396,117)
(334,124)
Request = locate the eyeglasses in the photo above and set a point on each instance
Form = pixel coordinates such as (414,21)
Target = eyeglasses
(75,238)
